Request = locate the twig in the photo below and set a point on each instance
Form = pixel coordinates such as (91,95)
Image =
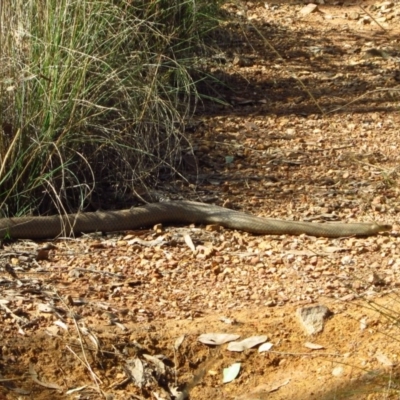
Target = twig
(306,354)
(119,276)
(369,15)
(360,97)
(85,361)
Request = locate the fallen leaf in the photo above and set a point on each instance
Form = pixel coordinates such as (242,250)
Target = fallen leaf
(313,346)
(134,369)
(265,347)
(189,242)
(247,343)
(178,342)
(308,9)
(34,377)
(78,389)
(157,362)
(217,338)
(226,320)
(230,373)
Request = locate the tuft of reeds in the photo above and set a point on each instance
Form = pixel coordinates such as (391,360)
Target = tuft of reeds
(94,96)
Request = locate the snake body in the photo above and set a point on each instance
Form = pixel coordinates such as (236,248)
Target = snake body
(44,227)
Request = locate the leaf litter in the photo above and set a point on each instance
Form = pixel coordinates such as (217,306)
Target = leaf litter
(112,301)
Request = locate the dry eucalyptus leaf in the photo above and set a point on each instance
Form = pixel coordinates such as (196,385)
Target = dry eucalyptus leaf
(277,385)
(136,371)
(230,321)
(77,389)
(163,396)
(230,373)
(313,346)
(157,362)
(47,385)
(174,391)
(178,342)
(265,347)
(189,242)
(247,343)
(308,9)
(52,330)
(363,323)
(217,338)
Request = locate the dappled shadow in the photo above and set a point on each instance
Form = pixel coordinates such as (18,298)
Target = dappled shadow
(334,67)
(380,383)
(274,139)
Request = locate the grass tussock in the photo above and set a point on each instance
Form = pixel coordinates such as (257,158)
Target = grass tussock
(94,97)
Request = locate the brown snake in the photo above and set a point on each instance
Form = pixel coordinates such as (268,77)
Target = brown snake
(174,212)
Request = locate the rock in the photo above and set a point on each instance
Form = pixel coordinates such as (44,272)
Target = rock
(308,9)
(353,15)
(337,371)
(312,318)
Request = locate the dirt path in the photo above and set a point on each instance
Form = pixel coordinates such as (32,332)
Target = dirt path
(79,322)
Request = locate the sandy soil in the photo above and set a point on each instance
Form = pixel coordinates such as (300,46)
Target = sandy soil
(309,132)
